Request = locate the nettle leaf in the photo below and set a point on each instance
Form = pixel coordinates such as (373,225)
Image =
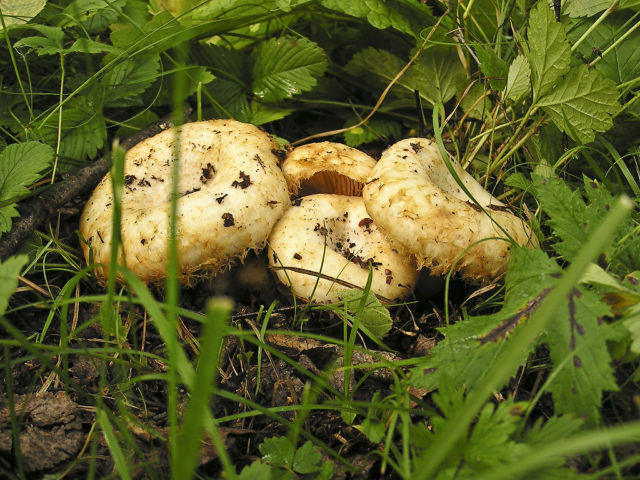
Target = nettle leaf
(584,8)
(126,81)
(20,166)
(50,43)
(495,69)
(83,133)
(407,17)
(549,51)
(16,12)
(518,79)
(287,66)
(623,63)
(374,129)
(582,104)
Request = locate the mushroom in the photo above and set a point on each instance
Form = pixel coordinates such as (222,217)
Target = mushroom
(231,193)
(326,167)
(326,241)
(416,202)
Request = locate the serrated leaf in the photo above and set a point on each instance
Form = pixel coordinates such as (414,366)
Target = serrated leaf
(256,471)
(549,51)
(578,347)
(491,443)
(126,81)
(495,69)
(407,17)
(436,74)
(50,43)
(9,271)
(287,66)
(16,12)
(259,114)
(375,318)
(20,166)
(582,104)
(86,45)
(277,451)
(622,64)
(92,15)
(518,79)
(584,8)
(83,133)
(373,429)
(307,459)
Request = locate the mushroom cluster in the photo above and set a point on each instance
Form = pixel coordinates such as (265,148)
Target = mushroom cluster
(352,218)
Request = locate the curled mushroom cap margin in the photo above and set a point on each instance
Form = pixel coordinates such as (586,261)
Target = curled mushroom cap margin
(414,199)
(231,193)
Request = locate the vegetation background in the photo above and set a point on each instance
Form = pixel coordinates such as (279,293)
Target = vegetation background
(533,377)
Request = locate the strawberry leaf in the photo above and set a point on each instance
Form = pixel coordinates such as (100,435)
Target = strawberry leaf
(284,67)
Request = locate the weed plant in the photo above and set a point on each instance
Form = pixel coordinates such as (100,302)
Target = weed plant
(533,377)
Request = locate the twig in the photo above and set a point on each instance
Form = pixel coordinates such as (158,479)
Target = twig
(47,204)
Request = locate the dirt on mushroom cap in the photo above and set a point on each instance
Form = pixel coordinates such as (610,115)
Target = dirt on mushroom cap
(334,236)
(413,198)
(231,193)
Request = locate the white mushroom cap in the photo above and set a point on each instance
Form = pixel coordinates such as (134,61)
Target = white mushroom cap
(231,193)
(334,236)
(413,198)
(326,167)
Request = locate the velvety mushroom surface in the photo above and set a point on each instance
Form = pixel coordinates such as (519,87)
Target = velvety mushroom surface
(414,199)
(326,242)
(326,167)
(231,193)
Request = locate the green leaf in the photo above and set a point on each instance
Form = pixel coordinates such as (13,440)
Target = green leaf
(20,166)
(86,45)
(436,74)
(495,69)
(94,16)
(83,133)
(622,64)
(126,81)
(549,51)
(375,318)
(518,79)
(582,104)
(373,429)
(585,8)
(578,347)
(278,451)
(287,66)
(9,271)
(16,12)
(48,44)
(256,471)
(307,459)
(407,17)
(475,102)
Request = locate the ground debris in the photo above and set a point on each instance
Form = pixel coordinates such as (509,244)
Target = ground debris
(50,429)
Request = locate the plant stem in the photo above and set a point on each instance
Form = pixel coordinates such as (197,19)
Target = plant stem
(615,44)
(595,24)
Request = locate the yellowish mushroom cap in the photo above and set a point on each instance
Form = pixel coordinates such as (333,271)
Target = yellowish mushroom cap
(326,167)
(414,199)
(231,193)
(327,242)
